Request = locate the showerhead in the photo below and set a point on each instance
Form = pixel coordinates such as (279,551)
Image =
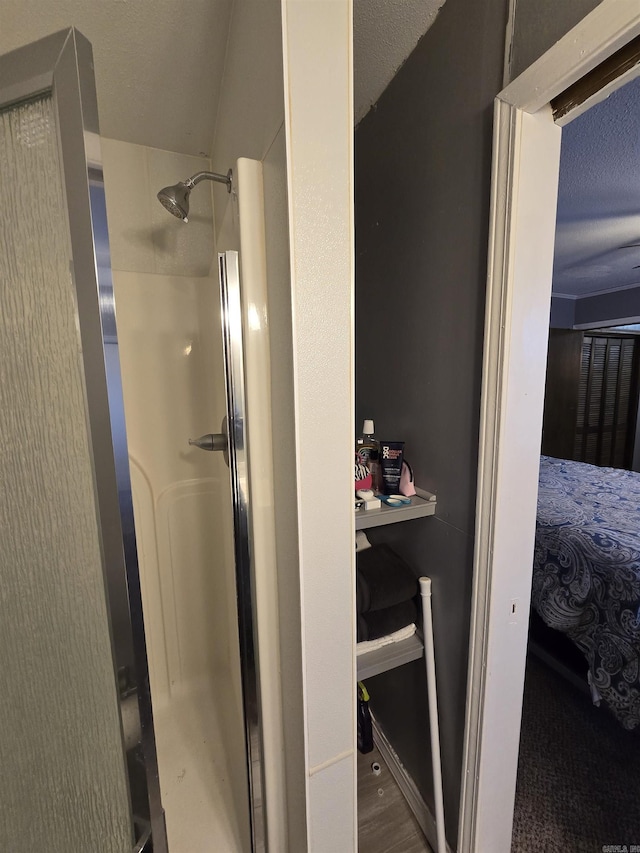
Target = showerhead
(176,197)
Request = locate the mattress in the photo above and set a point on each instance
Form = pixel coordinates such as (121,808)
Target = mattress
(586,573)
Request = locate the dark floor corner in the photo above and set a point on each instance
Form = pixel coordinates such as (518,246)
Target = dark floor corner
(578,774)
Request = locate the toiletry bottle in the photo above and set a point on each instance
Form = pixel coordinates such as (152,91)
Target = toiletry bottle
(368,449)
(390,466)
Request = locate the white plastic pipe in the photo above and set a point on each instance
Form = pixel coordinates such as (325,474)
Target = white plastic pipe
(430,664)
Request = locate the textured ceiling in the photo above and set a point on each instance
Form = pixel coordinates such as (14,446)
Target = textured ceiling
(598,222)
(384,34)
(159,63)
(159,66)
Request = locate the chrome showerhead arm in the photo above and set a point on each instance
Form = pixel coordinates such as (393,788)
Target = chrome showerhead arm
(211,176)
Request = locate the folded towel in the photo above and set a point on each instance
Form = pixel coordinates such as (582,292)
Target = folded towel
(383,579)
(362,543)
(387,640)
(378,623)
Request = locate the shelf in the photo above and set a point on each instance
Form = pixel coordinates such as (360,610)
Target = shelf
(422,504)
(389,657)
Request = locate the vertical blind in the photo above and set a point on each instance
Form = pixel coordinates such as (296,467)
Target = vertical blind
(607,400)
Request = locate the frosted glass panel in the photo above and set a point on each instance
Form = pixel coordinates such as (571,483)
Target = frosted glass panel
(63,784)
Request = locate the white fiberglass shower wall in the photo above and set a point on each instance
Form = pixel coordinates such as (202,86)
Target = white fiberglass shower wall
(168,314)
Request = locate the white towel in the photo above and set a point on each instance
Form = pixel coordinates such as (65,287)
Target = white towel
(396,637)
(362,543)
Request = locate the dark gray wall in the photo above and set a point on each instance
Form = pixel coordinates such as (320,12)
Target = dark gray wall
(563,311)
(423,163)
(618,306)
(539,24)
(423,166)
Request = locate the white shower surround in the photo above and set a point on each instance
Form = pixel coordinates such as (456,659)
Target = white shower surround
(168,314)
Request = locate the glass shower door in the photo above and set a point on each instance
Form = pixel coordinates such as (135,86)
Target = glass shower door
(232,332)
(65,781)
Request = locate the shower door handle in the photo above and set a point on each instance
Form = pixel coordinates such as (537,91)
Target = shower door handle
(210,441)
(215,441)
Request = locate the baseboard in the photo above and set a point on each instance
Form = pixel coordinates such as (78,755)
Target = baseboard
(559,666)
(407,786)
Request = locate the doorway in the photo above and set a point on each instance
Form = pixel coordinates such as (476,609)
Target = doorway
(575,746)
(524,193)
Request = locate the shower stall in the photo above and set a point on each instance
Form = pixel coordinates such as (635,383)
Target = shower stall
(140,597)
(204,522)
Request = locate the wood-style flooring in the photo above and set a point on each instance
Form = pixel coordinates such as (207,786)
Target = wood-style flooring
(385,821)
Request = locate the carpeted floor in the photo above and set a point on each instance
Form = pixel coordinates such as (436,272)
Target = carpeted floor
(578,785)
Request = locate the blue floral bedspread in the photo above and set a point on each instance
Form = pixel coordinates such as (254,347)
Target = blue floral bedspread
(586,573)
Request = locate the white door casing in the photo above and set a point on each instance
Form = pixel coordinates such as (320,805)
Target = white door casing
(526,152)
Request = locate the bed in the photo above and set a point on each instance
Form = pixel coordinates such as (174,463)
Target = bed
(586,573)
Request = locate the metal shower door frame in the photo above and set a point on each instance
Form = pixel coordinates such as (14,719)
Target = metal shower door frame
(61,66)
(232,339)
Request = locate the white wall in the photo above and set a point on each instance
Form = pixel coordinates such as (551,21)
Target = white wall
(284,463)
(319,123)
(308,208)
(168,314)
(250,123)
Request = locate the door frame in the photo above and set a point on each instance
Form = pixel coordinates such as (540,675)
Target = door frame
(526,155)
